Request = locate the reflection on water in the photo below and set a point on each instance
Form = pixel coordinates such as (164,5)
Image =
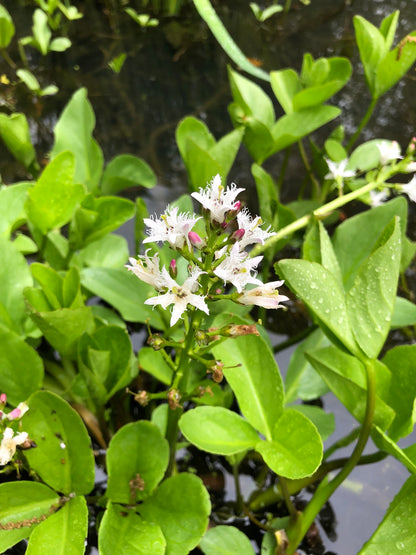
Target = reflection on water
(178,69)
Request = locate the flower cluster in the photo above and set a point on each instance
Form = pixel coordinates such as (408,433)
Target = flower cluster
(220,255)
(11,439)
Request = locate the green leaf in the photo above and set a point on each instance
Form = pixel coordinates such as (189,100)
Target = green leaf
(365,157)
(384,443)
(137,452)
(52,201)
(345,376)
(180,506)
(73,132)
(218,430)
(388,28)
(335,150)
(296,448)
(126,171)
(401,394)
(285,84)
(41,32)
(21,368)
(63,457)
(60,44)
(62,533)
(14,131)
(20,501)
(208,14)
(372,48)
(324,422)
(290,128)
(123,291)
(110,251)
(371,299)
(153,363)
(7,28)
(256,381)
(404,313)
(122,531)
(396,533)
(225,540)
(394,66)
(301,380)
(63,327)
(106,361)
(29,80)
(322,294)
(355,238)
(98,216)
(14,277)
(12,202)
(251,98)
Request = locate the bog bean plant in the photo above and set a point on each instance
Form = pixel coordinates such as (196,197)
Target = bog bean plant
(206,272)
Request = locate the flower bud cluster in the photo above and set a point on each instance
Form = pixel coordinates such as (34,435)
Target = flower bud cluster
(216,252)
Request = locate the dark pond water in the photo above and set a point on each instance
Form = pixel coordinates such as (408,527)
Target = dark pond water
(178,69)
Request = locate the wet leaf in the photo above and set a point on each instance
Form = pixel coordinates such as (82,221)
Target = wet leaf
(396,533)
(371,299)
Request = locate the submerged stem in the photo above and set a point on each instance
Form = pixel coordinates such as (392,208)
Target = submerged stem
(325,490)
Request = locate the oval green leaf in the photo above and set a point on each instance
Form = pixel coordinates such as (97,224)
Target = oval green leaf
(218,430)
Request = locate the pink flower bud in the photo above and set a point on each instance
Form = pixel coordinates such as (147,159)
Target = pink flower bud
(239,234)
(173,269)
(195,239)
(237,206)
(15,413)
(3,399)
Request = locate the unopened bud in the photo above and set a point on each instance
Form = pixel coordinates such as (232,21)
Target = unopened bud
(3,399)
(239,234)
(201,337)
(156,341)
(232,214)
(174,398)
(173,269)
(195,239)
(15,413)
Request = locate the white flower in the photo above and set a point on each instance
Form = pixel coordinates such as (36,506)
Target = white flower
(377,198)
(411,167)
(147,269)
(389,150)
(217,200)
(180,295)
(171,227)
(337,170)
(410,189)
(9,443)
(236,268)
(265,295)
(252,230)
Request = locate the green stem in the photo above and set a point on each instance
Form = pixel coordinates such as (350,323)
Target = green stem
(363,123)
(315,185)
(318,213)
(239,497)
(286,495)
(7,58)
(325,490)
